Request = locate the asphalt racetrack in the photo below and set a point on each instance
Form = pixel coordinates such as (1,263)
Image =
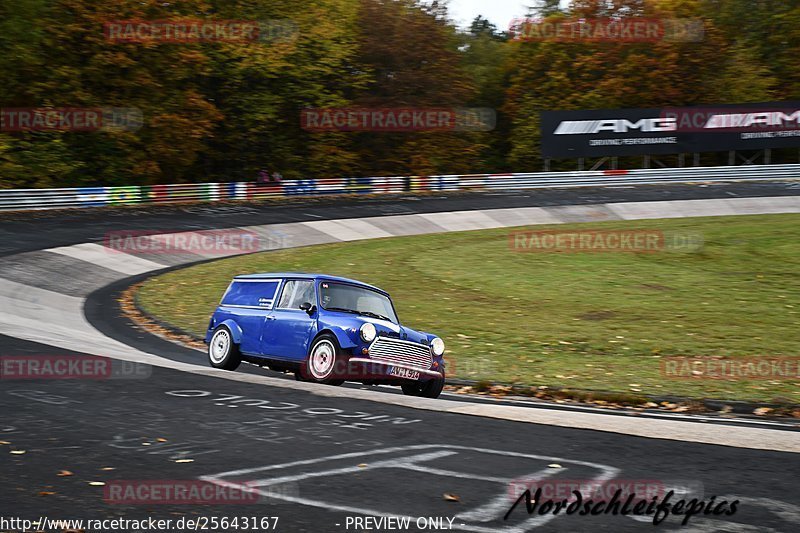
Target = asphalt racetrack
(326,459)
(141,427)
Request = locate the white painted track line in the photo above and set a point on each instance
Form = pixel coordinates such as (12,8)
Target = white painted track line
(55,319)
(348,229)
(463,220)
(115,260)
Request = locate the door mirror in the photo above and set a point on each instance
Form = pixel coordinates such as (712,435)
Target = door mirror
(308,307)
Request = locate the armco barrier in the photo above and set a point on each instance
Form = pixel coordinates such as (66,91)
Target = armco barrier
(21,199)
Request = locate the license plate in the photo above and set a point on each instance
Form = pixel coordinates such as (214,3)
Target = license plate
(401,372)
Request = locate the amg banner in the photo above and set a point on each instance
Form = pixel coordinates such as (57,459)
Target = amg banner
(621,132)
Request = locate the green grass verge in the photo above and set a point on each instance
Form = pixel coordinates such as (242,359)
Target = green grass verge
(599,321)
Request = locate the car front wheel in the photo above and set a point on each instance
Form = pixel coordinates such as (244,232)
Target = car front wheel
(321,363)
(222,351)
(431,388)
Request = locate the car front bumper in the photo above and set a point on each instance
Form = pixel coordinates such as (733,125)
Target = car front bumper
(375,369)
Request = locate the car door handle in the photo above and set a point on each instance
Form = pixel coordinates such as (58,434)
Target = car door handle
(271,317)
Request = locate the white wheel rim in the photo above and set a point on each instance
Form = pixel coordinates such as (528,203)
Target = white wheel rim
(219,345)
(322,359)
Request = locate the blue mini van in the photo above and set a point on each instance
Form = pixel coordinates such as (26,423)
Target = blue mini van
(325,329)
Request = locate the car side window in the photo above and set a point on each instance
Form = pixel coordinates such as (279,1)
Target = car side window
(250,293)
(296,292)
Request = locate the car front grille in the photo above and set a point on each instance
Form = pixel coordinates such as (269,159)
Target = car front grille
(398,352)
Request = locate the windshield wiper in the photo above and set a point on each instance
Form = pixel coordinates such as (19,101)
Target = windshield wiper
(374,315)
(343,309)
(363,313)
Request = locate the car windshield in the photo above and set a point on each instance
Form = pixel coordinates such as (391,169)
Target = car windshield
(353,299)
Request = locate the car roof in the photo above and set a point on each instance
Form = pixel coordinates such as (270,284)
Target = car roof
(308,275)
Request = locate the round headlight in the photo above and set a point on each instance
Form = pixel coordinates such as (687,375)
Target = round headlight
(368,332)
(437,345)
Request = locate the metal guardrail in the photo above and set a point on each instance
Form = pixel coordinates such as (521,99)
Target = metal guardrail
(26,199)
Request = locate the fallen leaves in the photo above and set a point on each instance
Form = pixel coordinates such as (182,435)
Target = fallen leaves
(65,473)
(448,497)
(132,312)
(46,493)
(18,452)
(184,460)
(97,483)
(500,390)
(554,465)
(634,399)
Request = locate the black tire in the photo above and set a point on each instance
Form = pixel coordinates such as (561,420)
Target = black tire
(424,389)
(323,362)
(222,351)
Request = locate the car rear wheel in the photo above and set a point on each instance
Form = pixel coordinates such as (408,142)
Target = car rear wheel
(222,351)
(321,364)
(431,388)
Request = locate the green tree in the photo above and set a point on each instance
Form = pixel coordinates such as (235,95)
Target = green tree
(261,89)
(411,55)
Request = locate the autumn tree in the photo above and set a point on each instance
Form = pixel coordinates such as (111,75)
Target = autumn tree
(218,111)
(410,53)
